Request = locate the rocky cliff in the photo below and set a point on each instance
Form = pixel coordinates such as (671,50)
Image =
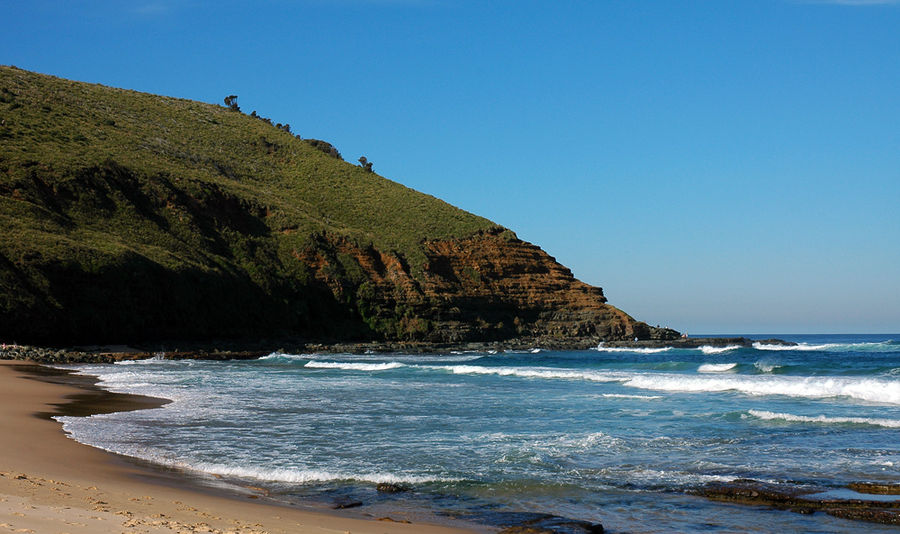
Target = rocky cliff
(486,286)
(130,217)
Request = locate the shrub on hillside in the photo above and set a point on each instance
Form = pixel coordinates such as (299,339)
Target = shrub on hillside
(325,147)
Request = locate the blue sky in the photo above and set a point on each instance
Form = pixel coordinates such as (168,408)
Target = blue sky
(718,167)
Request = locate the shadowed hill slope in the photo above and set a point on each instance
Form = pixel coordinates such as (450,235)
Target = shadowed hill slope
(133,217)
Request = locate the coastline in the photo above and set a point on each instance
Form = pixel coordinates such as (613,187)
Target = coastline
(232,350)
(50,483)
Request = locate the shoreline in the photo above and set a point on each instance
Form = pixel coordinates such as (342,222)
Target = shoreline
(51,483)
(251,351)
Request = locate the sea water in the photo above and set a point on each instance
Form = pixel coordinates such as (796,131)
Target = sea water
(615,436)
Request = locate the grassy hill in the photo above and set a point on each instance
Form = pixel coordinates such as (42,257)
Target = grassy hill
(95,179)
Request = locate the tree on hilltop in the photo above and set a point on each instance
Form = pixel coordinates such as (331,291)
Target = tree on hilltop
(231,102)
(365,164)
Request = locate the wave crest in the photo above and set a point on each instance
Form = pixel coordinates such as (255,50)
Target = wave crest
(878,346)
(871,390)
(528,372)
(773,416)
(601,348)
(766,367)
(716,367)
(354,366)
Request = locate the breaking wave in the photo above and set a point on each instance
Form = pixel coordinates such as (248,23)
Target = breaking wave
(305,476)
(882,346)
(766,367)
(354,366)
(528,372)
(868,389)
(716,367)
(281,356)
(626,396)
(773,416)
(601,348)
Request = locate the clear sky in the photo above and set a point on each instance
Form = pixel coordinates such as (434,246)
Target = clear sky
(716,166)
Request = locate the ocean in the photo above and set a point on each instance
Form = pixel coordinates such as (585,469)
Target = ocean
(613,436)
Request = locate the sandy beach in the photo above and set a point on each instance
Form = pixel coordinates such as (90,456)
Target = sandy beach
(52,484)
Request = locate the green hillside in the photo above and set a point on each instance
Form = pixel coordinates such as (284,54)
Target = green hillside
(126,215)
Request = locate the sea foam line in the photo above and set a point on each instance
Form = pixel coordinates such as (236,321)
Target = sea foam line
(281,356)
(880,346)
(305,476)
(771,416)
(601,348)
(716,367)
(800,346)
(527,372)
(871,390)
(354,366)
(626,396)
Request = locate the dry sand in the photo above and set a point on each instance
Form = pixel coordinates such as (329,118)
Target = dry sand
(52,484)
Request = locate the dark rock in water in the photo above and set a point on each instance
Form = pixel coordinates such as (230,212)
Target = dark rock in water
(551,524)
(875,489)
(343,504)
(804,500)
(885,517)
(774,341)
(391,488)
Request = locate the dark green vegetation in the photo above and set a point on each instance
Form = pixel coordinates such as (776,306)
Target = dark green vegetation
(128,217)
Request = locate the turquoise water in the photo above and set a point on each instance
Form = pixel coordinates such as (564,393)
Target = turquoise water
(612,436)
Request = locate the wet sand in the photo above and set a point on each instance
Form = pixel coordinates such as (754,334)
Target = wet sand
(52,484)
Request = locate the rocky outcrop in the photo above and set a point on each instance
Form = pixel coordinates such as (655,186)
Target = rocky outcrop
(489,286)
(847,504)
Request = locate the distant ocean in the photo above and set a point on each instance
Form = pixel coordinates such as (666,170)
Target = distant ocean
(607,435)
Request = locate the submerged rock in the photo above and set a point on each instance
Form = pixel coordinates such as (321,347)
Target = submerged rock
(343,504)
(875,489)
(552,524)
(385,487)
(846,504)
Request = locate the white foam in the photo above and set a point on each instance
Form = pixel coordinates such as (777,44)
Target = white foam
(882,346)
(602,348)
(354,366)
(305,476)
(624,396)
(766,367)
(581,442)
(528,372)
(800,346)
(709,349)
(657,476)
(866,389)
(157,358)
(716,367)
(281,356)
(770,416)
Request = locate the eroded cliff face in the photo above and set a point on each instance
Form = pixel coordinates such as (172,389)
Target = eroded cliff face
(489,286)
